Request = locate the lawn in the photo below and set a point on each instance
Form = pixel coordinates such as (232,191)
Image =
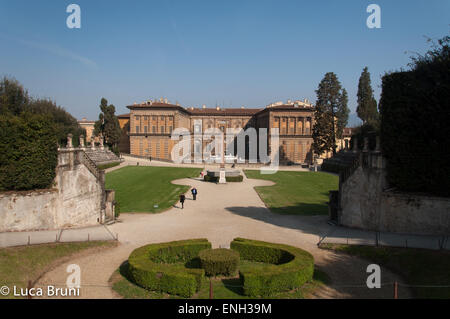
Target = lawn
(147,189)
(223,288)
(20,264)
(417,267)
(296,193)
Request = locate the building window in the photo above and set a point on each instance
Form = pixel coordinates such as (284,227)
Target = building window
(170,129)
(137,129)
(145,129)
(153,129)
(162,118)
(154,118)
(162,129)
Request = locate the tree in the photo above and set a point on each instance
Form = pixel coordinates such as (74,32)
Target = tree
(107,125)
(331,114)
(64,121)
(14,98)
(367,105)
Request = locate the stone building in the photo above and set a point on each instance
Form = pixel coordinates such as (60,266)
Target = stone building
(88,126)
(152,122)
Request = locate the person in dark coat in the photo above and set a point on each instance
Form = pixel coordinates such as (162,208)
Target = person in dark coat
(194,193)
(182,199)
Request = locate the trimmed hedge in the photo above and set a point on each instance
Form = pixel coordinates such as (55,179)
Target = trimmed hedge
(290,267)
(28,152)
(109,165)
(219,261)
(415,128)
(166,267)
(229,179)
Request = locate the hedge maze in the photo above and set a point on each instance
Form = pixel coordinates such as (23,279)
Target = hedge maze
(180,267)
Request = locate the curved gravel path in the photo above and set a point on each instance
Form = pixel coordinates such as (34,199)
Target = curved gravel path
(222,213)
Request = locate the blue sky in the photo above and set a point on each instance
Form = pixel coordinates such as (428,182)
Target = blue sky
(230,53)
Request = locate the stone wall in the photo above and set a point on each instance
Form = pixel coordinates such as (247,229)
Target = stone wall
(77,199)
(366,202)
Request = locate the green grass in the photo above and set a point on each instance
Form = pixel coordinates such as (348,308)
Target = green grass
(417,267)
(296,193)
(223,288)
(20,264)
(139,189)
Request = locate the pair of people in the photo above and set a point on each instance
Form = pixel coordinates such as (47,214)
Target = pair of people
(183,197)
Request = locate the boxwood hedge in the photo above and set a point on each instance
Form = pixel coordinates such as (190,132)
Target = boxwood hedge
(229,179)
(219,261)
(290,267)
(166,267)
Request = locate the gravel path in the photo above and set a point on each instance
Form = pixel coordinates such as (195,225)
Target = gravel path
(222,213)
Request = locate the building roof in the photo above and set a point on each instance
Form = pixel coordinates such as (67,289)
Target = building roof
(124,116)
(223,111)
(218,110)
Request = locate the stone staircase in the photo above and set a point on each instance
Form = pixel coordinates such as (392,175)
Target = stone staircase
(101,156)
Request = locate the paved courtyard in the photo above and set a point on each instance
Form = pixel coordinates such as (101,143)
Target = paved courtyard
(222,213)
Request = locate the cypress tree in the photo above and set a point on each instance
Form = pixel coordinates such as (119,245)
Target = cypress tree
(367,105)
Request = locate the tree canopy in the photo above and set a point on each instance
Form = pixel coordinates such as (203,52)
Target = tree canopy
(367,105)
(107,126)
(331,114)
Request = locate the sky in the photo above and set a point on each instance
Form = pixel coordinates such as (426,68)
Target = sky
(230,53)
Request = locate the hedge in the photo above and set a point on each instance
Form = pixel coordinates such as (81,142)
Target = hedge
(109,165)
(415,128)
(166,267)
(229,179)
(28,152)
(219,261)
(290,267)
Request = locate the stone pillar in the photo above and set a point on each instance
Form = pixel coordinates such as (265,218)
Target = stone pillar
(82,141)
(92,143)
(366,144)
(102,147)
(355,144)
(304,126)
(69,140)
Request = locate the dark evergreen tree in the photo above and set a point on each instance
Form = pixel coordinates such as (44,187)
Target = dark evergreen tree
(331,114)
(367,105)
(107,125)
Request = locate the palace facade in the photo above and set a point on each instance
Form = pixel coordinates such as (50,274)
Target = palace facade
(151,124)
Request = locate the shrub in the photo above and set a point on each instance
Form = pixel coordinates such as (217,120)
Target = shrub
(415,124)
(233,179)
(211,179)
(168,267)
(290,267)
(116,209)
(106,166)
(229,179)
(28,152)
(219,261)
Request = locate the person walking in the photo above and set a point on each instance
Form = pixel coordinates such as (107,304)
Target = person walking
(182,199)
(194,193)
